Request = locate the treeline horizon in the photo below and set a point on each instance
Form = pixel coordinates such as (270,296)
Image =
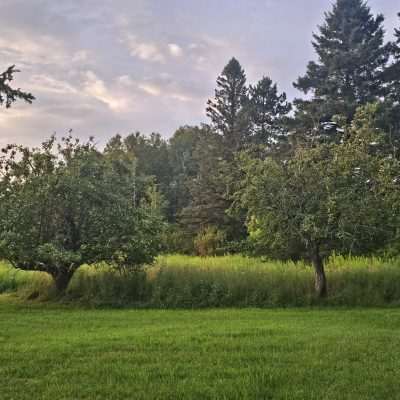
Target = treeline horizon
(288,180)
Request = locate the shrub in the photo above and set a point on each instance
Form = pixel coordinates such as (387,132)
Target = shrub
(209,242)
(175,240)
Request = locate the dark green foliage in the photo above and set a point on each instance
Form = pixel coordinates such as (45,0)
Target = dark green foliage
(392,73)
(61,209)
(227,111)
(175,239)
(152,157)
(348,72)
(184,165)
(390,120)
(209,189)
(209,242)
(8,95)
(329,197)
(267,109)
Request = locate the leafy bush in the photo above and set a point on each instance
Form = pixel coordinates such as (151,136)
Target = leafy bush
(175,240)
(209,242)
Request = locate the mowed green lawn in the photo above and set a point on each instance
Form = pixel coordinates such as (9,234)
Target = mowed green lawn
(56,352)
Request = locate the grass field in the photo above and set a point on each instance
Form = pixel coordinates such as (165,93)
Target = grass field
(54,352)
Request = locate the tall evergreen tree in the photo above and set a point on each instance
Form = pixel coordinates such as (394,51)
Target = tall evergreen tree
(207,189)
(392,73)
(267,109)
(351,58)
(389,120)
(210,196)
(227,110)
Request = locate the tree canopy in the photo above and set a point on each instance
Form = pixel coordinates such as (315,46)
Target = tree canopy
(329,197)
(65,206)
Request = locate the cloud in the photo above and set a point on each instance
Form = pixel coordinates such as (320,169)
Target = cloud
(163,86)
(151,89)
(47,83)
(175,50)
(95,87)
(146,51)
(23,49)
(181,97)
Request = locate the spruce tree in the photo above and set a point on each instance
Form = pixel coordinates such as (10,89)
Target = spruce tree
(348,73)
(227,110)
(210,190)
(390,108)
(392,73)
(207,189)
(267,109)
(8,95)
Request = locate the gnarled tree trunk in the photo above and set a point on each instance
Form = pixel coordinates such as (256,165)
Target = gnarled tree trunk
(320,277)
(62,277)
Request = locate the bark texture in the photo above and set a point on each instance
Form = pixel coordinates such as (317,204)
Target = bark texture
(321,287)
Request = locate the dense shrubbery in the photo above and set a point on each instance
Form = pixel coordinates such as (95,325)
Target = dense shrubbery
(209,242)
(231,281)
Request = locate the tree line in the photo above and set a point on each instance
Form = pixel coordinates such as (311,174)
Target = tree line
(286,180)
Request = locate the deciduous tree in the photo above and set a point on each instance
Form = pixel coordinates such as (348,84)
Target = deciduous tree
(61,208)
(329,197)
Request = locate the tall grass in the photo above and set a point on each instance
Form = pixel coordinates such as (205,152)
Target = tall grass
(178,281)
(28,284)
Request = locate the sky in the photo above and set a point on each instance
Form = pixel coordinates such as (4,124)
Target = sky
(102,67)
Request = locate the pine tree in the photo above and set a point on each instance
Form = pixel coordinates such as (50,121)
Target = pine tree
(390,118)
(8,95)
(392,73)
(210,196)
(267,110)
(227,110)
(351,59)
(207,189)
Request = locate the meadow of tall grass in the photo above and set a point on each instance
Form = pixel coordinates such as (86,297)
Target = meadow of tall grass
(177,281)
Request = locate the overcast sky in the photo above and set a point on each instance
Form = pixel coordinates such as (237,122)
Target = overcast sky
(102,67)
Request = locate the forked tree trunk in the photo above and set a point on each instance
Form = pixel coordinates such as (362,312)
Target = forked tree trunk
(62,278)
(320,277)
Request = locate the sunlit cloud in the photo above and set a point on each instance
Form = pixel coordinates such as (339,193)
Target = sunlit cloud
(175,50)
(143,50)
(151,89)
(46,83)
(95,87)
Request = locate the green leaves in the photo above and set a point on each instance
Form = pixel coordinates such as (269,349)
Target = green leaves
(72,205)
(337,196)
